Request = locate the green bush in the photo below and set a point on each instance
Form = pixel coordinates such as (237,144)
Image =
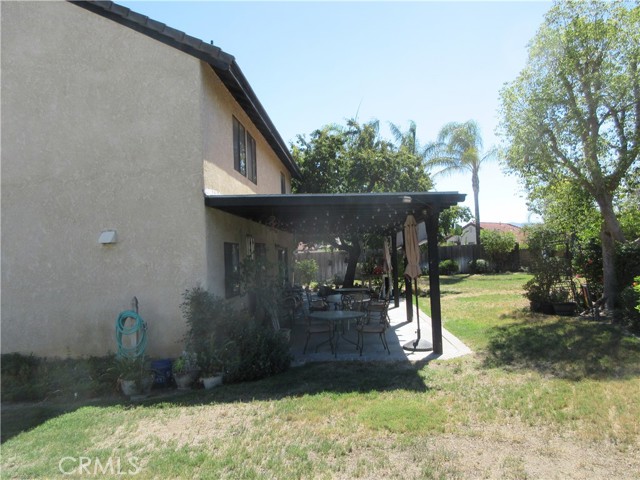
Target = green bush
(306,270)
(254,352)
(497,246)
(629,307)
(205,315)
(479,266)
(31,378)
(448,267)
(20,377)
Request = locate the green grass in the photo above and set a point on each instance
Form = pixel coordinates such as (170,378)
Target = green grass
(538,389)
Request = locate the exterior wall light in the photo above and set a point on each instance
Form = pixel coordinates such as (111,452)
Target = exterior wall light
(108,237)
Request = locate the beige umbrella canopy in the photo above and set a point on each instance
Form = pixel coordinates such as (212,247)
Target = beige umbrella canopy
(387,256)
(411,248)
(412,251)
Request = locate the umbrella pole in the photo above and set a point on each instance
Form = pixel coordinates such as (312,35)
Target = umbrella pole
(419,344)
(415,289)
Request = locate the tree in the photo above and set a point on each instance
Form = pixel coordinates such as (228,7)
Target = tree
(450,219)
(459,149)
(573,113)
(355,159)
(306,270)
(497,245)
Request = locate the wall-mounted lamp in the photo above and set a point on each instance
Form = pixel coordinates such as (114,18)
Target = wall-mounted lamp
(107,237)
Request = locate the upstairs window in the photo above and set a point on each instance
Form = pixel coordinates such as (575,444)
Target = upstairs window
(283,183)
(244,152)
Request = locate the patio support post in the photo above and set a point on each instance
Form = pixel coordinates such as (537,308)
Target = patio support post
(394,267)
(408,286)
(434,280)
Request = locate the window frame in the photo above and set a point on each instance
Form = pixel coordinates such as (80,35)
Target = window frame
(244,152)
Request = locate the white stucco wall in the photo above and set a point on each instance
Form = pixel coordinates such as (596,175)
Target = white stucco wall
(100,130)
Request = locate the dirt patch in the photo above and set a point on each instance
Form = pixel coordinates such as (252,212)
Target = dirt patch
(512,450)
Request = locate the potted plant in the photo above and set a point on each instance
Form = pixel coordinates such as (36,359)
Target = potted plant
(134,376)
(211,368)
(560,300)
(185,370)
(539,297)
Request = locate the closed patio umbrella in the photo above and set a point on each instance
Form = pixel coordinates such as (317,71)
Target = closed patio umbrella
(412,251)
(386,283)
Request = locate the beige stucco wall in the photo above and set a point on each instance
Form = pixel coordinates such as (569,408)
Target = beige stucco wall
(105,128)
(100,130)
(219,108)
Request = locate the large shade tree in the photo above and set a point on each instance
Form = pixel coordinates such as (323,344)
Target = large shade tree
(459,149)
(355,159)
(573,113)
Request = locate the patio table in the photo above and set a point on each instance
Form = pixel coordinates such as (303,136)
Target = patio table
(337,318)
(352,290)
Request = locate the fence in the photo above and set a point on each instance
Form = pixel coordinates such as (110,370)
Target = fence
(463,255)
(330,264)
(334,263)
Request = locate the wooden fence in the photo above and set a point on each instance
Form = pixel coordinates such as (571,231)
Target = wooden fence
(334,263)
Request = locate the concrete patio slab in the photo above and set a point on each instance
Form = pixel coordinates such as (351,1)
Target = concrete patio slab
(400,333)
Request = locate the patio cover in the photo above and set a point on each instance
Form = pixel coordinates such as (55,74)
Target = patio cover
(343,213)
(335,214)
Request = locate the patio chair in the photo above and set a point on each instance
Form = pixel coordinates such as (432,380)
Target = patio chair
(376,322)
(356,302)
(314,327)
(291,307)
(316,304)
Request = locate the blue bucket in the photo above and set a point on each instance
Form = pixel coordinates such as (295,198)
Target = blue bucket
(162,370)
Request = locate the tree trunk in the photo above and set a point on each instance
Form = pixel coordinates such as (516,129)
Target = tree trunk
(354,255)
(475,184)
(610,233)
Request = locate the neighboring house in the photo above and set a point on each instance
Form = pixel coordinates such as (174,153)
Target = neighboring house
(468,236)
(114,127)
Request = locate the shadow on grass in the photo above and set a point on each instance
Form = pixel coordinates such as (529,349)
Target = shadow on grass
(453,279)
(310,379)
(568,348)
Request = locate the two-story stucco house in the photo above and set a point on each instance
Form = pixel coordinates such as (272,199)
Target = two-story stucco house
(114,127)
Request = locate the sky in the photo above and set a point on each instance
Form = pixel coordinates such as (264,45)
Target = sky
(317,63)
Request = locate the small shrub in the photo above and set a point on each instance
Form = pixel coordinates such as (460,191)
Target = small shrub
(205,315)
(104,373)
(629,311)
(306,270)
(497,246)
(636,288)
(19,377)
(255,352)
(448,267)
(479,266)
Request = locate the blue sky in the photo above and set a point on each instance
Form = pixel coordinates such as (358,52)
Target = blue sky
(315,63)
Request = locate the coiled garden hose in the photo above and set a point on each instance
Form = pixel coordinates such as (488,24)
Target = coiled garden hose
(139,326)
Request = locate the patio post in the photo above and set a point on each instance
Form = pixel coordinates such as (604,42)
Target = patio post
(394,266)
(408,286)
(434,279)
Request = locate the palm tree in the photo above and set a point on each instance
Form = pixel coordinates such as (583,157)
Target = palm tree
(408,141)
(459,150)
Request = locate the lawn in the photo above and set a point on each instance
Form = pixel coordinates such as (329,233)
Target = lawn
(542,397)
